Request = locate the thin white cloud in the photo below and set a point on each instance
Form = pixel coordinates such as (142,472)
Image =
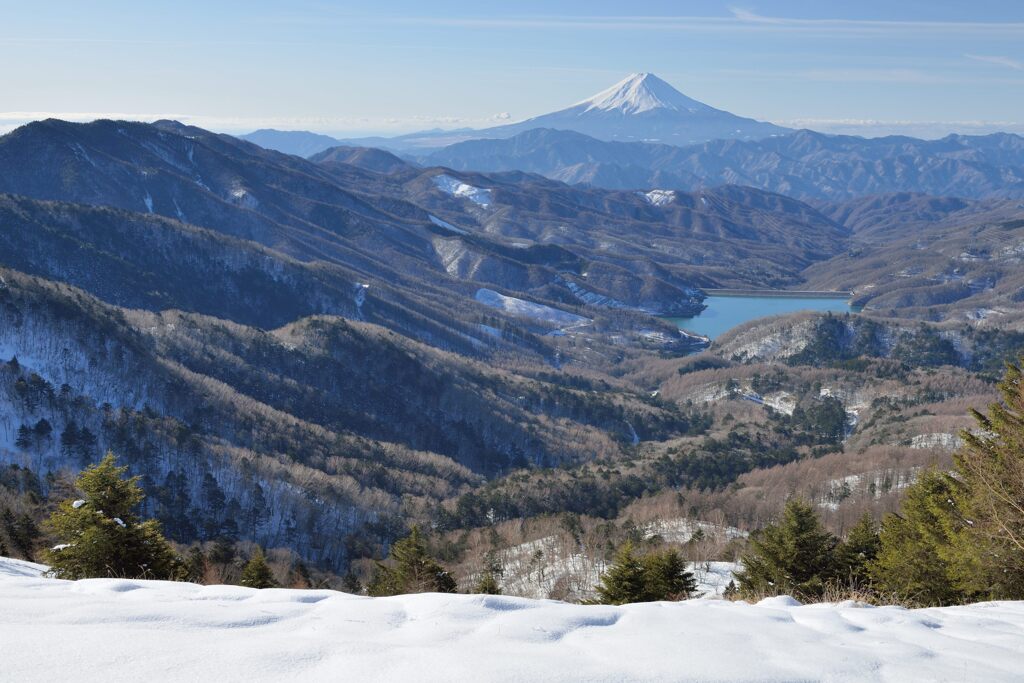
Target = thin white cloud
(999,60)
(739,20)
(877,25)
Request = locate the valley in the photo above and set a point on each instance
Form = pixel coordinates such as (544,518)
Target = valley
(512,342)
(468,349)
(315,354)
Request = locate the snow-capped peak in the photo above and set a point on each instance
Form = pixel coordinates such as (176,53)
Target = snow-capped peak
(638,93)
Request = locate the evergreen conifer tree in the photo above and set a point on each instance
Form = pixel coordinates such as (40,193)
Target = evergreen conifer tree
(257,573)
(655,576)
(195,565)
(24,534)
(42,429)
(991,467)
(666,577)
(792,557)
(960,536)
(350,583)
(69,440)
(100,534)
(488,584)
(916,557)
(86,446)
(624,581)
(24,438)
(223,552)
(412,570)
(857,551)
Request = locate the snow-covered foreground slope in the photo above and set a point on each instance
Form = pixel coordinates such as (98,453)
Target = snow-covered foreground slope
(114,630)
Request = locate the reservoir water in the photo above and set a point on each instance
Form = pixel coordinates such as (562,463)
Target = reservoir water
(725,312)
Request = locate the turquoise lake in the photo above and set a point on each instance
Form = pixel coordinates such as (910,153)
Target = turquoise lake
(725,312)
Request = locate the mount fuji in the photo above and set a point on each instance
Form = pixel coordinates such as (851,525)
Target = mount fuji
(644,108)
(640,108)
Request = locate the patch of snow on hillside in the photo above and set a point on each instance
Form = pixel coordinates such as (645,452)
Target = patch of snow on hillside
(446,225)
(871,485)
(943,440)
(682,530)
(359,297)
(179,212)
(591,298)
(148,201)
(529,309)
(490,331)
(713,577)
(82,154)
(982,314)
(243,198)
(457,188)
(781,402)
(127,630)
(659,197)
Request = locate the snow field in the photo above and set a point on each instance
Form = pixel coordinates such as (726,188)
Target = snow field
(659,197)
(529,309)
(119,630)
(457,188)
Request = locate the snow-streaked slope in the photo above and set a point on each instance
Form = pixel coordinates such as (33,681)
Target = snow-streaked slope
(529,309)
(457,188)
(446,225)
(119,630)
(659,197)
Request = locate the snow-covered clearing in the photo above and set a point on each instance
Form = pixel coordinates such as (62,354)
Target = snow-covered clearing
(119,630)
(943,440)
(659,197)
(457,188)
(529,309)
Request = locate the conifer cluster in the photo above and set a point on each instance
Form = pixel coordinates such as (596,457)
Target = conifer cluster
(660,575)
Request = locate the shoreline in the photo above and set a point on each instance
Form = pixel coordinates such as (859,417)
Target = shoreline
(778,293)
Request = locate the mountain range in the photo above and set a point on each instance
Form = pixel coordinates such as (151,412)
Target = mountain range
(309,352)
(804,164)
(643,134)
(332,338)
(641,107)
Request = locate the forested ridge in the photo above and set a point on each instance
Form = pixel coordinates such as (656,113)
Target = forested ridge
(316,357)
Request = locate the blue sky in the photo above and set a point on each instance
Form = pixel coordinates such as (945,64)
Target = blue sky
(356,67)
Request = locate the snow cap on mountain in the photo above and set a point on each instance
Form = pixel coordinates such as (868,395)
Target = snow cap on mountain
(638,93)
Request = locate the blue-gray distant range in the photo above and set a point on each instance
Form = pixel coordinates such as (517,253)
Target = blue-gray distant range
(643,134)
(640,108)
